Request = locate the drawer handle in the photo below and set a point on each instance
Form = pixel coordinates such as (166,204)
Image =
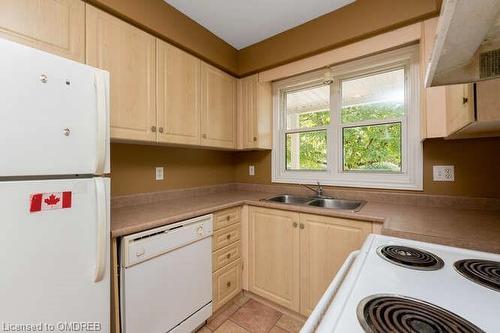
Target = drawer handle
(228,218)
(254,139)
(295,224)
(228,284)
(302,226)
(228,255)
(228,236)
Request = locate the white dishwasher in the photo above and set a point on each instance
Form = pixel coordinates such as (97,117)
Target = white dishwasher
(166,278)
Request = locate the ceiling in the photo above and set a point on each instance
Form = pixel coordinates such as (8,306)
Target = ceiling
(245,22)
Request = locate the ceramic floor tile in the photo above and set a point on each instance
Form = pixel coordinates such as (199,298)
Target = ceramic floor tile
(230,327)
(215,322)
(290,324)
(256,317)
(277,329)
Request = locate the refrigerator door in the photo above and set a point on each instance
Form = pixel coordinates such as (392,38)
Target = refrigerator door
(55,258)
(54,114)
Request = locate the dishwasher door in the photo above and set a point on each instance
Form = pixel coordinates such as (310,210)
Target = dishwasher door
(166,278)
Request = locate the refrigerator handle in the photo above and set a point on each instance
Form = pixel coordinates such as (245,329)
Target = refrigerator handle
(101,108)
(102,226)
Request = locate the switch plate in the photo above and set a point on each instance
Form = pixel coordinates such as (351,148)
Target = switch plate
(251,170)
(443,173)
(159,173)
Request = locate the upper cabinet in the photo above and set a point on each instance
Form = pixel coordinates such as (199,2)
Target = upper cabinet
(218,108)
(178,95)
(128,54)
(254,113)
(55,26)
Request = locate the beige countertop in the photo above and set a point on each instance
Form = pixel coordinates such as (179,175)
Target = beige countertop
(468,228)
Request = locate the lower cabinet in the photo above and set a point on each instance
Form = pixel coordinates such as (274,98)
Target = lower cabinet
(325,243)
(226,256)
(293,257)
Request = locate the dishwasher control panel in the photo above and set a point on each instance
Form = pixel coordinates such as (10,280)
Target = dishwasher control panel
(145,245)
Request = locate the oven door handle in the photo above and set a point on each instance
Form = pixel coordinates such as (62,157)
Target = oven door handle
(320,308)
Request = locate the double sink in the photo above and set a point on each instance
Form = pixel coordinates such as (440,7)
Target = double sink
(323,202)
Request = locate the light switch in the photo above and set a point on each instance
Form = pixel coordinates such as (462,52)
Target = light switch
(251,170)
(159,173)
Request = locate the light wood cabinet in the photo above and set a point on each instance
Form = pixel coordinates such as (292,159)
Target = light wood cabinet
(226,254)
(254,113)
(55,26)
(178,95)
(273,255)
(459,107)
(218,108)
(293,257)
(325,243)
(128,54)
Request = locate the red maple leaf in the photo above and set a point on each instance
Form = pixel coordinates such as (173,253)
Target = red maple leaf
(52,200)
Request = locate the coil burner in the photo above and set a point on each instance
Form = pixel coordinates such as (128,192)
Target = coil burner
(391,313)
(410,257)
(483,272)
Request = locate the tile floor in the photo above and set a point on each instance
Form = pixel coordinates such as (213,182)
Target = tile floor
(246,315)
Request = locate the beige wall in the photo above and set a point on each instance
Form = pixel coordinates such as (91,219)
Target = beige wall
(166,22)
(476,161)
(362,19)
(133,168)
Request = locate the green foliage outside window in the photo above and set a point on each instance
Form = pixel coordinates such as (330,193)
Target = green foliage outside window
(375,147)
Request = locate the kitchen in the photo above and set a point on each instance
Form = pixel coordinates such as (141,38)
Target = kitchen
(330,166)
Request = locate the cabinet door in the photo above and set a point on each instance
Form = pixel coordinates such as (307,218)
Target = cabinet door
(254,113)
(459,107)
(178,95)
(274,255)
(218,108)
(128,54)
(55,26)
(325,243)
(247,115)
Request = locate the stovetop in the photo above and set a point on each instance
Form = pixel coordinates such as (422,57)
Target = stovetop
(431,284)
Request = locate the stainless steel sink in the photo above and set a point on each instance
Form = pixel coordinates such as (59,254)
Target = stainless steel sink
(329,203)
(352,205)
(290,199)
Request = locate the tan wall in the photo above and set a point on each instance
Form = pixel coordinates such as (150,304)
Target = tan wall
(133,168)
(166,22)
(476,161)
(361,19)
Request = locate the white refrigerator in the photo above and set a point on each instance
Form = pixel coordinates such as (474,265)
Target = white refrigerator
(54,196)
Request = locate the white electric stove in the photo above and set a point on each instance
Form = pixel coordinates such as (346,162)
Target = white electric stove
(399,285)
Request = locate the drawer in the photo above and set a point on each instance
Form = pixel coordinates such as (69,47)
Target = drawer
(226,236)
(226,217)
(226,255)
(226,284)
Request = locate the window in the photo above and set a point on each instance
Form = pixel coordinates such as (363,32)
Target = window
(361,130)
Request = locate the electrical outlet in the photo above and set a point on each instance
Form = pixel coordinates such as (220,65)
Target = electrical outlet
(443,173)
(159,173)
(251,170)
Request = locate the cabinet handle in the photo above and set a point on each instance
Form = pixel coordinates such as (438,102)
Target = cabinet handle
(228,255)
(228,236)
(153,129)
(295,224)
(465,100)
(228,284)
(160,130)
(302,226)
(204,136)
(254,139)
(228,217)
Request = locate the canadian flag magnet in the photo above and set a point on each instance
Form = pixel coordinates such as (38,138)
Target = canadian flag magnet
(49,201)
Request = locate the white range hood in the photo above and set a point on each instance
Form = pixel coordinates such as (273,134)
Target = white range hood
(467,45)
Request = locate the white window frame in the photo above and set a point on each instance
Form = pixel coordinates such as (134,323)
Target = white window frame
(411,175)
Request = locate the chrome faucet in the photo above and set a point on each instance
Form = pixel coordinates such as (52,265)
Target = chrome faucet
(318,190)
